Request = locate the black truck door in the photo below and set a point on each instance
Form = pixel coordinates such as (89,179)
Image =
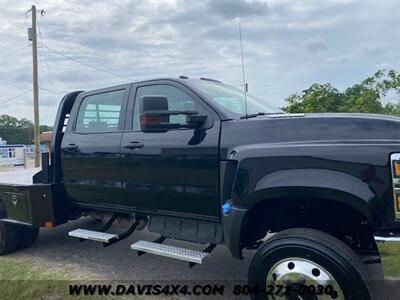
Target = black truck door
(174,172)
(90,150)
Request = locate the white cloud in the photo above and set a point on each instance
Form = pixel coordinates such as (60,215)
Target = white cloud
(235,9)
(315,45)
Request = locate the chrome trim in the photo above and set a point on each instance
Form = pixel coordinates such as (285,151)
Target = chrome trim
(15,222)
(285,115)
(395,181)
(170,251)
(387,239)
(97,236)
(295,272)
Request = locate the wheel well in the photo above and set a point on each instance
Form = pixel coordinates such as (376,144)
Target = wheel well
(335,218)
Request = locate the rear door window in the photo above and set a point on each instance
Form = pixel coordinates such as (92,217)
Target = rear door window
(100,112)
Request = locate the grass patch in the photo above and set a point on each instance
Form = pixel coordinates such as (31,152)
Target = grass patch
(390,256)
(21,278)
(24,278)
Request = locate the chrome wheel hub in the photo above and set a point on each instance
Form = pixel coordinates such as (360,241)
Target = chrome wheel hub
(299,278)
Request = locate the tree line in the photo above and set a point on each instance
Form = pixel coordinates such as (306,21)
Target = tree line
(379,93)
(18,131)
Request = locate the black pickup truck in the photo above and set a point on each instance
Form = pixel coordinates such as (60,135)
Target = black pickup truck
(197,160)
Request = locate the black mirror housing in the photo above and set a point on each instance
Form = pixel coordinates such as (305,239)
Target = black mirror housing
(196,119)
(155,115)
(150,118)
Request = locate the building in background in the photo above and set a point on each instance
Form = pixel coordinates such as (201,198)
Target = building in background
(45,141)
(12,155)
(22,155)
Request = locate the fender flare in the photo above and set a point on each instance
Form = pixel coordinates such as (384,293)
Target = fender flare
(313,183)
(316,183)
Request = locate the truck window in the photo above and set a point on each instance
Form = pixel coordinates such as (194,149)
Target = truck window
(177,100)
(100,113)
(232,99)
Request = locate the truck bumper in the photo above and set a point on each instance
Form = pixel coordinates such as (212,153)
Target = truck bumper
(389,249)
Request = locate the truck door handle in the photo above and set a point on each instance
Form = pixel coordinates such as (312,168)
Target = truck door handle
(133,145)
(71,147)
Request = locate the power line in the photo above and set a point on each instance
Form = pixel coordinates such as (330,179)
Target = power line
(77,60)
(17,21)
(53,91)
(86,64)
(11,54)
(17,96)
(46,68)
(40,33)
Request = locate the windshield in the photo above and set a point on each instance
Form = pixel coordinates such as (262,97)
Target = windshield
(232,99)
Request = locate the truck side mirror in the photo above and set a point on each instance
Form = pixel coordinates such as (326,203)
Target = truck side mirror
(155,115)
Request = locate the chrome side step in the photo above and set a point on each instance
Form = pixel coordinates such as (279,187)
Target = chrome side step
(192,256)
(384,239)
(84,234)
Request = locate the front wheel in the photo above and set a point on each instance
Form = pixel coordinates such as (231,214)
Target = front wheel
(307,264)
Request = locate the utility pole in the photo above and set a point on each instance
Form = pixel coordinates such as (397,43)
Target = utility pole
(35,88)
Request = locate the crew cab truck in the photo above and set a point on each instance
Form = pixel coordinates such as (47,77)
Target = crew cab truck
(197,160)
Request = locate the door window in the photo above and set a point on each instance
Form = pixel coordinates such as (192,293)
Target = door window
(177,100)
(100,113)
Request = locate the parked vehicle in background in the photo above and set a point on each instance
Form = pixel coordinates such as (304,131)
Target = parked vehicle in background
(190,160)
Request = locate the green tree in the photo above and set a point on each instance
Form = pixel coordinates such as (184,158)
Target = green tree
(317,98)
(365,97)
(45,128)
(362,99)
(16,131)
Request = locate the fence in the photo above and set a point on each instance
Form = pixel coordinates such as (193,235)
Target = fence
(16,155)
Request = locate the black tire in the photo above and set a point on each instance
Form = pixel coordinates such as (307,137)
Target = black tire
(28,236)
(9,237)
(317,247)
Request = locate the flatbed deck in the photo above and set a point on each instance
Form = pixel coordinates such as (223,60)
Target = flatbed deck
(18,176)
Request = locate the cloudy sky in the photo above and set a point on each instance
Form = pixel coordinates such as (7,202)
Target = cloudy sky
(288,45)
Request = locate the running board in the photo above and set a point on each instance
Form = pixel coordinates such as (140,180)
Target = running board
(107,239)
(192,256)
(97,236)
